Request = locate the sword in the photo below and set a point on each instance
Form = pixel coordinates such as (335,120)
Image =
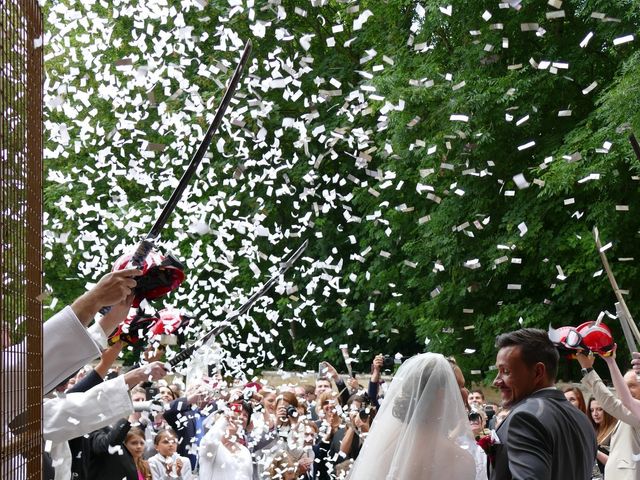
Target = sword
(146,244)
(626,329)
(233,316)
(626,320)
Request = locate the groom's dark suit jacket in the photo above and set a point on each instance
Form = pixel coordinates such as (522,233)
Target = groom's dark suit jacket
(545,438)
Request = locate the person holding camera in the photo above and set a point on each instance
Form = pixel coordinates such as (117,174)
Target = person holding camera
(293,431)
(477,422)
(361,413)
(330,434)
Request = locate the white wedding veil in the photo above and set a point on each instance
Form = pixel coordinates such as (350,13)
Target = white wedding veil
(421,431)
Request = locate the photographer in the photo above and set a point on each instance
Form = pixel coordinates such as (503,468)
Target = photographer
(292,426)
(331,432)
(477,422)
(361,414)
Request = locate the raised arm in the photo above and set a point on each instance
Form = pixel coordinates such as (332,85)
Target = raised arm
(622,390)
(609,402)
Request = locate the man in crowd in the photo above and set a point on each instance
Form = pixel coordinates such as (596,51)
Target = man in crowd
(476,397)
(544,436)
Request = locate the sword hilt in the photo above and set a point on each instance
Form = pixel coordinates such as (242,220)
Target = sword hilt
(142,252)
(137,260)
(183,355)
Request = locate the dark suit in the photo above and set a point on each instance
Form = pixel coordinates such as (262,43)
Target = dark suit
(545,438)
(81,446)
(108,463)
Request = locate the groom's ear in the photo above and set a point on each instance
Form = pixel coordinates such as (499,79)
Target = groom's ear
(540,371)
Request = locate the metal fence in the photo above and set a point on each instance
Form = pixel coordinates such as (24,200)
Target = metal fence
(21,78)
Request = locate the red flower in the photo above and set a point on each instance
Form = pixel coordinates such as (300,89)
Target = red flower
(487,444)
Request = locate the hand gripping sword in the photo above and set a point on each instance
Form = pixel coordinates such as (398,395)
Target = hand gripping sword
(233,316)
(146,244)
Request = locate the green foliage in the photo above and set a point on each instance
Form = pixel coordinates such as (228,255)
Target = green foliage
(422,236)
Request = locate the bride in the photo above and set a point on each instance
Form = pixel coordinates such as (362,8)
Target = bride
(421,431)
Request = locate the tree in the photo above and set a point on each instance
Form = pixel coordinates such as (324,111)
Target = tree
(447,162)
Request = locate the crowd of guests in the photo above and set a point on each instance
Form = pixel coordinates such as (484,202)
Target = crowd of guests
(221,428)
(146,425)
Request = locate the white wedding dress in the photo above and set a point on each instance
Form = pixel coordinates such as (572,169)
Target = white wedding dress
(421,431)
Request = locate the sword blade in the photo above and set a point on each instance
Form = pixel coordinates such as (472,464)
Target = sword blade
(202,149)
(233,316)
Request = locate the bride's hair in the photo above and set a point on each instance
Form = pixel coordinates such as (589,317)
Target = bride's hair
(422,373)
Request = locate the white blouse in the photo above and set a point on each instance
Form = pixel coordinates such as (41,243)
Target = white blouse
(217,462)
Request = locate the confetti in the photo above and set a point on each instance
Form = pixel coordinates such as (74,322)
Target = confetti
(590,88)
(585,41)
(621,40)
(526,145)
(302,154)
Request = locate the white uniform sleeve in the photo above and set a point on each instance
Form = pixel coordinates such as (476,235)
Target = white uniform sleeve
(67,347)
(608,401)
(98,335)
(80,413)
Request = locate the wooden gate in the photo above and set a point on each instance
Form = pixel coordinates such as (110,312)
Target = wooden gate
(21,80)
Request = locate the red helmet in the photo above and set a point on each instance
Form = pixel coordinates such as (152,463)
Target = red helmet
(596,337)
(133,331)
(567,339)
(169,321)
(160,275)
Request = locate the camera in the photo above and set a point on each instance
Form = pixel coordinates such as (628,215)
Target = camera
(489,411)
(364,413)
(474,416)
(292,411)
(388,362)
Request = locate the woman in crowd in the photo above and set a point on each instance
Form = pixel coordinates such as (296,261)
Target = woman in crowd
(604,425)
(222,452)
(574,395)
(330,434)
(167,464)
(293,431)
(477,422)
(166,394)
(116,454)
(264,434)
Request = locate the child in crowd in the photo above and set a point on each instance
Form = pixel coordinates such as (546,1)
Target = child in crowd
(167,464)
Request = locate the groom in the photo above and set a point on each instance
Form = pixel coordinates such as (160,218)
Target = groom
(544,436)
